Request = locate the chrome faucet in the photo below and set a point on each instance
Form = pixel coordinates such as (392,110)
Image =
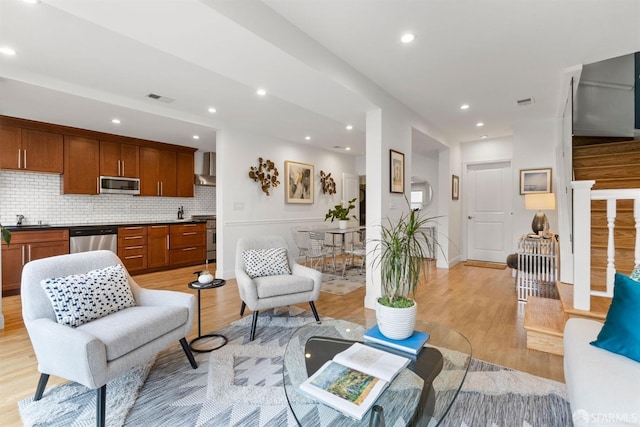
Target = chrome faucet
(19,219)
(181,212)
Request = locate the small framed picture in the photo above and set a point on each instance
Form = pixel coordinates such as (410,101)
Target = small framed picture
(534,181)
(298,185)
(455,187)
(396,172)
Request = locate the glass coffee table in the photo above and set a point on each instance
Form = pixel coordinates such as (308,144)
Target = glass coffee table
(419,396)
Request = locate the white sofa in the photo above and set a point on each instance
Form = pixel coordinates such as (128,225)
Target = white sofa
(603,387)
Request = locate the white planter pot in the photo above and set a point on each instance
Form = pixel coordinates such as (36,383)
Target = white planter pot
(396,323)
(342,224)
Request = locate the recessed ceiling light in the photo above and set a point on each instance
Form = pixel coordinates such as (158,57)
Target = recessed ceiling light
(464,107)
(212,110)
(479,124)
(347,148)
(261,92)
(307,138)
(115,121)
(484,136)
(7,51)
(31,1)
(196,137)
(349,127)
(407,38)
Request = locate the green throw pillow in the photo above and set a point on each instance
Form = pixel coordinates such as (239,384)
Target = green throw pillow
(621,333)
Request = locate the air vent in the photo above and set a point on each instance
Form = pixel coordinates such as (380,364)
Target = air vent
(525,101)
(160,98)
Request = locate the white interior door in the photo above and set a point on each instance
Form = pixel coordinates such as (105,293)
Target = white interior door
(489,213)
(351,189)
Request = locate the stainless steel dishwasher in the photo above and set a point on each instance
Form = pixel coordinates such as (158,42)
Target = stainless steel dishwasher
(93,238)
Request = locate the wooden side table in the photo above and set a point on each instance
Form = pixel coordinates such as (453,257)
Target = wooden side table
(216,283)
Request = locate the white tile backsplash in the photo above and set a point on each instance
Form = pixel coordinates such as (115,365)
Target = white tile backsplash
(38,196)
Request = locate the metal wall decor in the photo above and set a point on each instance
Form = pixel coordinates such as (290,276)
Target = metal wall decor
(266,174)
(327,183)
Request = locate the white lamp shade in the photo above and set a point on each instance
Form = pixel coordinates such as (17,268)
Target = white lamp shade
(540,202)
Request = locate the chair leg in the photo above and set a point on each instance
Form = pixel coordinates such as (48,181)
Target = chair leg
(187,351)
(42,383)
(254,322)
(315,312)
(101,405)
(242,307)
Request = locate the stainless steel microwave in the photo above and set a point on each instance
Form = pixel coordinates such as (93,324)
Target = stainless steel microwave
(119,185)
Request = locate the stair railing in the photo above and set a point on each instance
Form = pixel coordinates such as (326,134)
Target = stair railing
(582,197)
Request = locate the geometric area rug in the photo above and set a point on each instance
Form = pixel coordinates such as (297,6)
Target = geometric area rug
(241,385)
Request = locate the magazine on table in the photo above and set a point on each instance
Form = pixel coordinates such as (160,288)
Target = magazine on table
(353,380)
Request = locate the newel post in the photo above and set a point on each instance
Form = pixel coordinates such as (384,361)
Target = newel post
(582,244)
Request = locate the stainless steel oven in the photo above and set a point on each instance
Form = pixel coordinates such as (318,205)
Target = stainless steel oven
(211,234)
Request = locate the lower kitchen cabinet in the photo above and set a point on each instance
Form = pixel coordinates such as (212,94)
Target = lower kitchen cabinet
(132,247)
(157,246)
(188,244)
(28,246)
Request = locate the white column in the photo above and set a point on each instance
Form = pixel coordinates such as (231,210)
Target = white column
(582,244)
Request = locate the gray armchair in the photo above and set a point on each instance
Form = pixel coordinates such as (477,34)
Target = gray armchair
(270,291)
(100,350)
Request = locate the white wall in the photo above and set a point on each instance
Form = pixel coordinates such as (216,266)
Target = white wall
(244,210)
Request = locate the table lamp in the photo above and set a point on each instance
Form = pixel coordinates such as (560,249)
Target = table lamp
(539,202)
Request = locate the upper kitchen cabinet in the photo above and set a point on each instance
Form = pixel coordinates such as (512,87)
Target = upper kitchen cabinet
(158,172)
(30,150)
(184,174)
(81,165)
(118,159)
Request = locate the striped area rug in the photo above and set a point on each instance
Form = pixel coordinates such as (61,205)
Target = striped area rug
(241,385)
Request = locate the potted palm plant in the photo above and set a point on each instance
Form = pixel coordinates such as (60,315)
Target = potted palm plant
(341,213)
(404,245)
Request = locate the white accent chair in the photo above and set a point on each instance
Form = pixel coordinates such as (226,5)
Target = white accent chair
(262,293)
(96,352)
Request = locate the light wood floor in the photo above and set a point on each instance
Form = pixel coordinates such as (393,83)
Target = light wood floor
(478,302)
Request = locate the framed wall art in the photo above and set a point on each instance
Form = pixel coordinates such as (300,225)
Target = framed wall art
(455,187)
(534,181)
(299,185)
(396,171)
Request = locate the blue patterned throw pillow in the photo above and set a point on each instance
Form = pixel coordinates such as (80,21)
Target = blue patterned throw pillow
(81,298)
(635,274)
(266,262)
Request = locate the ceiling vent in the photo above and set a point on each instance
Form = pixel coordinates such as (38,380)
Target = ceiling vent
(160,98)
(525,101)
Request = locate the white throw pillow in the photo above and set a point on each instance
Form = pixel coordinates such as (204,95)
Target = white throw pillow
(266,262)
(81,298)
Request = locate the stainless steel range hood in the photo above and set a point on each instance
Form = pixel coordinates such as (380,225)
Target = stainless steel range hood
(208,175)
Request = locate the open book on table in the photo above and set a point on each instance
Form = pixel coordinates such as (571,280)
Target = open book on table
(353,380)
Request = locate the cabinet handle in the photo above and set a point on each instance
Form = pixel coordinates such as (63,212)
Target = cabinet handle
(158,226)
(133,237)
(97,185)
(19,159)
(161,188)
(25,158)
(22,254)
(29,253)
(133,228)
(119,174)
(190,249)
(167,242)
(189,234)
(123,168)
(133,256)
(134,247)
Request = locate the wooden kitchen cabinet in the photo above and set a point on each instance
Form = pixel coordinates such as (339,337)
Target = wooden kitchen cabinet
(157,172)
(188,244)
(157,246)
(28,246)
(132,247)
(184,175)
(118,159)
(81,165)
(30,150)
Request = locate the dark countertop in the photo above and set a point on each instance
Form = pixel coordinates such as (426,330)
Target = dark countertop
(36,227)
